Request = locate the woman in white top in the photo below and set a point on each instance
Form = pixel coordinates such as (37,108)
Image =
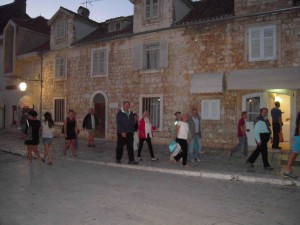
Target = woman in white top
(47,135)
(182,136)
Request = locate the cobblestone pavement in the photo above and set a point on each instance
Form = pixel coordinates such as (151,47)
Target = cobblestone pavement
(214,163)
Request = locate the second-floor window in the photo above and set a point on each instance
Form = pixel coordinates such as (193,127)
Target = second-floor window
(60,67)
(151,9)
(60,29)
(151,56)
(262,43)
(99,62)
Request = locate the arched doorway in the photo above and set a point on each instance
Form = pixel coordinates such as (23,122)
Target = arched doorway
(99,104)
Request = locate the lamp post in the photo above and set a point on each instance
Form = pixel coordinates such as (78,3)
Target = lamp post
(23,85)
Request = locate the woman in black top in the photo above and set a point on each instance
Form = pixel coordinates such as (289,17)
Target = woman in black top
(70,130)
(32,132)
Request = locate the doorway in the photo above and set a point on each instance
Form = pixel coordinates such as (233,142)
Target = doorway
(252,104)
(100,113)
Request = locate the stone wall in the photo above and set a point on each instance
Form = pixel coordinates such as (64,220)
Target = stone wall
(211,47)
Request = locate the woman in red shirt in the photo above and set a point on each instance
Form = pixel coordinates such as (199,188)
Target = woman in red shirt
(145,134)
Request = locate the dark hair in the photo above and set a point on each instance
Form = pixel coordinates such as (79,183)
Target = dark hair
(71,110)
(48,118)
(243,113)
(177,113)
(263,109)
(277,104)
(126,102)
(32,113)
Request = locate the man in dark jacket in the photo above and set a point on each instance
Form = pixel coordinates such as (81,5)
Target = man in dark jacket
(89,123)
(125,129)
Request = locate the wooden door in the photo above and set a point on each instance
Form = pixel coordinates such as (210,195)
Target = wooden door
(100,114)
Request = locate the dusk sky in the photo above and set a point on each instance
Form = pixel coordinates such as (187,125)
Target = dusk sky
(100,10)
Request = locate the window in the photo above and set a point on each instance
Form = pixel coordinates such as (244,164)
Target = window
(99,62)
(151,9)
(59,110)
(114,27)
(262,43)
(60,67)
(151,56)
(152,104)
(60,28)
(210,109)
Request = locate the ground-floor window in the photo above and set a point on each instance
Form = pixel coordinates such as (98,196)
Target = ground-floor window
(59,110)
(152,104)
(211,109)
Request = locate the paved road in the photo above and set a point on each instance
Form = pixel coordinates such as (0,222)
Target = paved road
(72,192)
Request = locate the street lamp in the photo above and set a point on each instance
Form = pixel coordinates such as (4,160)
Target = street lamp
(23,85)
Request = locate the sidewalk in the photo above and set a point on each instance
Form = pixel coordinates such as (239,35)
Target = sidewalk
(214,163)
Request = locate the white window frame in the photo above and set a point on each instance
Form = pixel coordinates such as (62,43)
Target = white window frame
(60,73)
(152,9)
(256,36)
(211,109)
(60,29)
(148,48)
(160,96)
(64,110)
(104,72)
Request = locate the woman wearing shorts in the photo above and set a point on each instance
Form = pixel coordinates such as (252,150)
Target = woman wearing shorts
(47,135)
(295,150)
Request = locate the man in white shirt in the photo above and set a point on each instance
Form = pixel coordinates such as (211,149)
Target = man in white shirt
(262,134)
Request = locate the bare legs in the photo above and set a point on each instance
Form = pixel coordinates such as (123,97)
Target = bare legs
(47,153)
(70,142)
(33,148)
(290,161)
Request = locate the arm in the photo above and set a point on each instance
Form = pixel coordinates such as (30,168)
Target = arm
(65,127)
(177,131)
(257,129)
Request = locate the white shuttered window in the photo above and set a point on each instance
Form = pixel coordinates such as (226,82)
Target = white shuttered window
(60,29)
(262,43)
(99,62)
(211,109)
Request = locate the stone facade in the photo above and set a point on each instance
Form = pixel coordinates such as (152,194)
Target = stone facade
(207,47)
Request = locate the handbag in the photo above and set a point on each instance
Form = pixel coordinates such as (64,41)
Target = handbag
(172,146)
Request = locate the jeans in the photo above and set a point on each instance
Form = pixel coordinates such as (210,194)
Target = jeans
(243,144)
(128,140)
(148,140)
(194,153)
(263,149)
(276,130)
(183,144)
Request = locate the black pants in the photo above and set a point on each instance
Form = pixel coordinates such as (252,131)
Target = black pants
(184,147)
(128,140)
(276,130)
(263,149)
(141,143)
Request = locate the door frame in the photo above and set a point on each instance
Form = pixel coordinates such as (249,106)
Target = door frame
(106,108)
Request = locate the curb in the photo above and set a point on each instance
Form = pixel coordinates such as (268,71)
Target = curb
(201,174)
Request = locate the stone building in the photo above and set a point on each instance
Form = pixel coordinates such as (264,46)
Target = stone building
(219,56)
(21,41)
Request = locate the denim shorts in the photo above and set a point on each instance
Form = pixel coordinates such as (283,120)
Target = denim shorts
(296,145)
(47,140)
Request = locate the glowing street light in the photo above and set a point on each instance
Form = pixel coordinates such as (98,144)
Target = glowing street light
(23,86)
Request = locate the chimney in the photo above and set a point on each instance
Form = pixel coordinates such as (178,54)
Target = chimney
(21,4)
(83,12)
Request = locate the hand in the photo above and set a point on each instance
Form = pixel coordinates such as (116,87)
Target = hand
(124,134)
(259,143)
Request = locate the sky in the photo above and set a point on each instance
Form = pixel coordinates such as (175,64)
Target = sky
(100,10)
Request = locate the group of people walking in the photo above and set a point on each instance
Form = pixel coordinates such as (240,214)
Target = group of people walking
(133,133)
(186,131)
